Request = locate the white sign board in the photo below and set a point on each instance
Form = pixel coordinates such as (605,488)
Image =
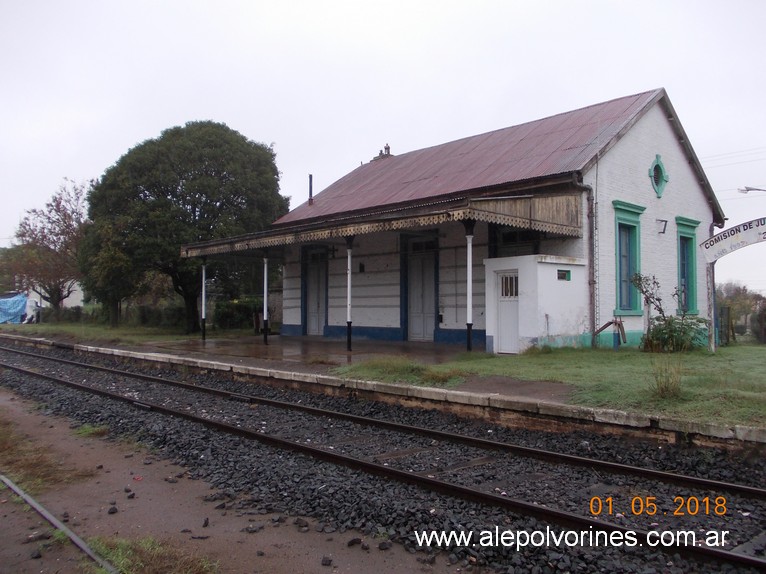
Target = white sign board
(734,238)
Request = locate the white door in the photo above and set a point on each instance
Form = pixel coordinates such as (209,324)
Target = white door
(316,285)
(421,297)
(508,312)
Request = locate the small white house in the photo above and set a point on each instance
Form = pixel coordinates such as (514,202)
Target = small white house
(536,299)
(528,235)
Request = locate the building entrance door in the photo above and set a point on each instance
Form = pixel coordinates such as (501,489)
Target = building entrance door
(316,294)
(421,296)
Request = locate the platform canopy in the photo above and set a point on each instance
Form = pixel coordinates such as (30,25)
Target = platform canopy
(558,214)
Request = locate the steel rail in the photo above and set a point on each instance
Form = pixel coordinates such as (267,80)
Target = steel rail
(519,506)
(56,523)
(616,467)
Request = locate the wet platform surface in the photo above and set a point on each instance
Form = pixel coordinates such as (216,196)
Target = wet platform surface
(312,350)
(321,355)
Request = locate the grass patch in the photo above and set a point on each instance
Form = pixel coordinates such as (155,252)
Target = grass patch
(474,357)
(402,370)
(96,333)
(88,430)
(667,371)
(31,467)
(148,556)
(60,537)
(442,377)
(322,361)
(725,387)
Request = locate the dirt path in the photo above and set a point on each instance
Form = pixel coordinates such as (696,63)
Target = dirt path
(167,506)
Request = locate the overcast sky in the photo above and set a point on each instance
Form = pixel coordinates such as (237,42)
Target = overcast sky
(329,83)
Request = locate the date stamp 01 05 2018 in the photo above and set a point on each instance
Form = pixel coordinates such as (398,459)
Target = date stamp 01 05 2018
(647,505)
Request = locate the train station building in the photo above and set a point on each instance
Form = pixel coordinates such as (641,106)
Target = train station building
(527,235)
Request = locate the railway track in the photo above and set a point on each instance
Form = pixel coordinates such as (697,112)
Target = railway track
(569,491)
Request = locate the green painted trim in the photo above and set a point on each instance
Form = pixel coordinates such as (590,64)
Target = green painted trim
(691,224)
(658,186)
(627,215)
(687,230)
(629,208)
(605,339)
(628,312)
(689,313)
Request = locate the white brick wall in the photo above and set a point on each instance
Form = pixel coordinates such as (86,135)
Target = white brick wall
(623,174)
(452,276)
(291,286)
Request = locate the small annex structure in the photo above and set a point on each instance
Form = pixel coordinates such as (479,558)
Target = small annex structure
(528,235)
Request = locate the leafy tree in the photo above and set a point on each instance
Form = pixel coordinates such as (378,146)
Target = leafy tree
(758,321)
(45,260)
(194,183)
(737,296)
(7,281)
(109,273)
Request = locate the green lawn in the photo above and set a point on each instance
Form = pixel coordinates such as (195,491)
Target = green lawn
(726,387)
(129,335)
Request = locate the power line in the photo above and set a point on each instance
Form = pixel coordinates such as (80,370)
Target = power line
(729,158)
(735,163)
(730,153)
(736,198)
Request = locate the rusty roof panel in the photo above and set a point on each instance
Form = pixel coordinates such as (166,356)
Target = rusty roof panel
(556,145)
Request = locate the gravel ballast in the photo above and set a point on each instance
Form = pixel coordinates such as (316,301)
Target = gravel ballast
(258,479)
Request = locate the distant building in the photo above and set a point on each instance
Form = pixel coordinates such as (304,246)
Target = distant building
(528,235)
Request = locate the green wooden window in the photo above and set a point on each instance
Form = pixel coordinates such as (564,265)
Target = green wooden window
(687,265)
(658,176)
(628,256)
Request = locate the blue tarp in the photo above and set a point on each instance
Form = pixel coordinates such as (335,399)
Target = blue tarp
(12,308)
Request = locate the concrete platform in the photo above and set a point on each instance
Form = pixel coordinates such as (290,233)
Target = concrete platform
(309,360)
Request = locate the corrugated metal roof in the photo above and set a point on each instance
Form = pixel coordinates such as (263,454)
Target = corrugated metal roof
(559,144)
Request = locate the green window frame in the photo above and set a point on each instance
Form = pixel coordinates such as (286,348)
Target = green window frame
(686,230)
(658,175)
(627,224)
